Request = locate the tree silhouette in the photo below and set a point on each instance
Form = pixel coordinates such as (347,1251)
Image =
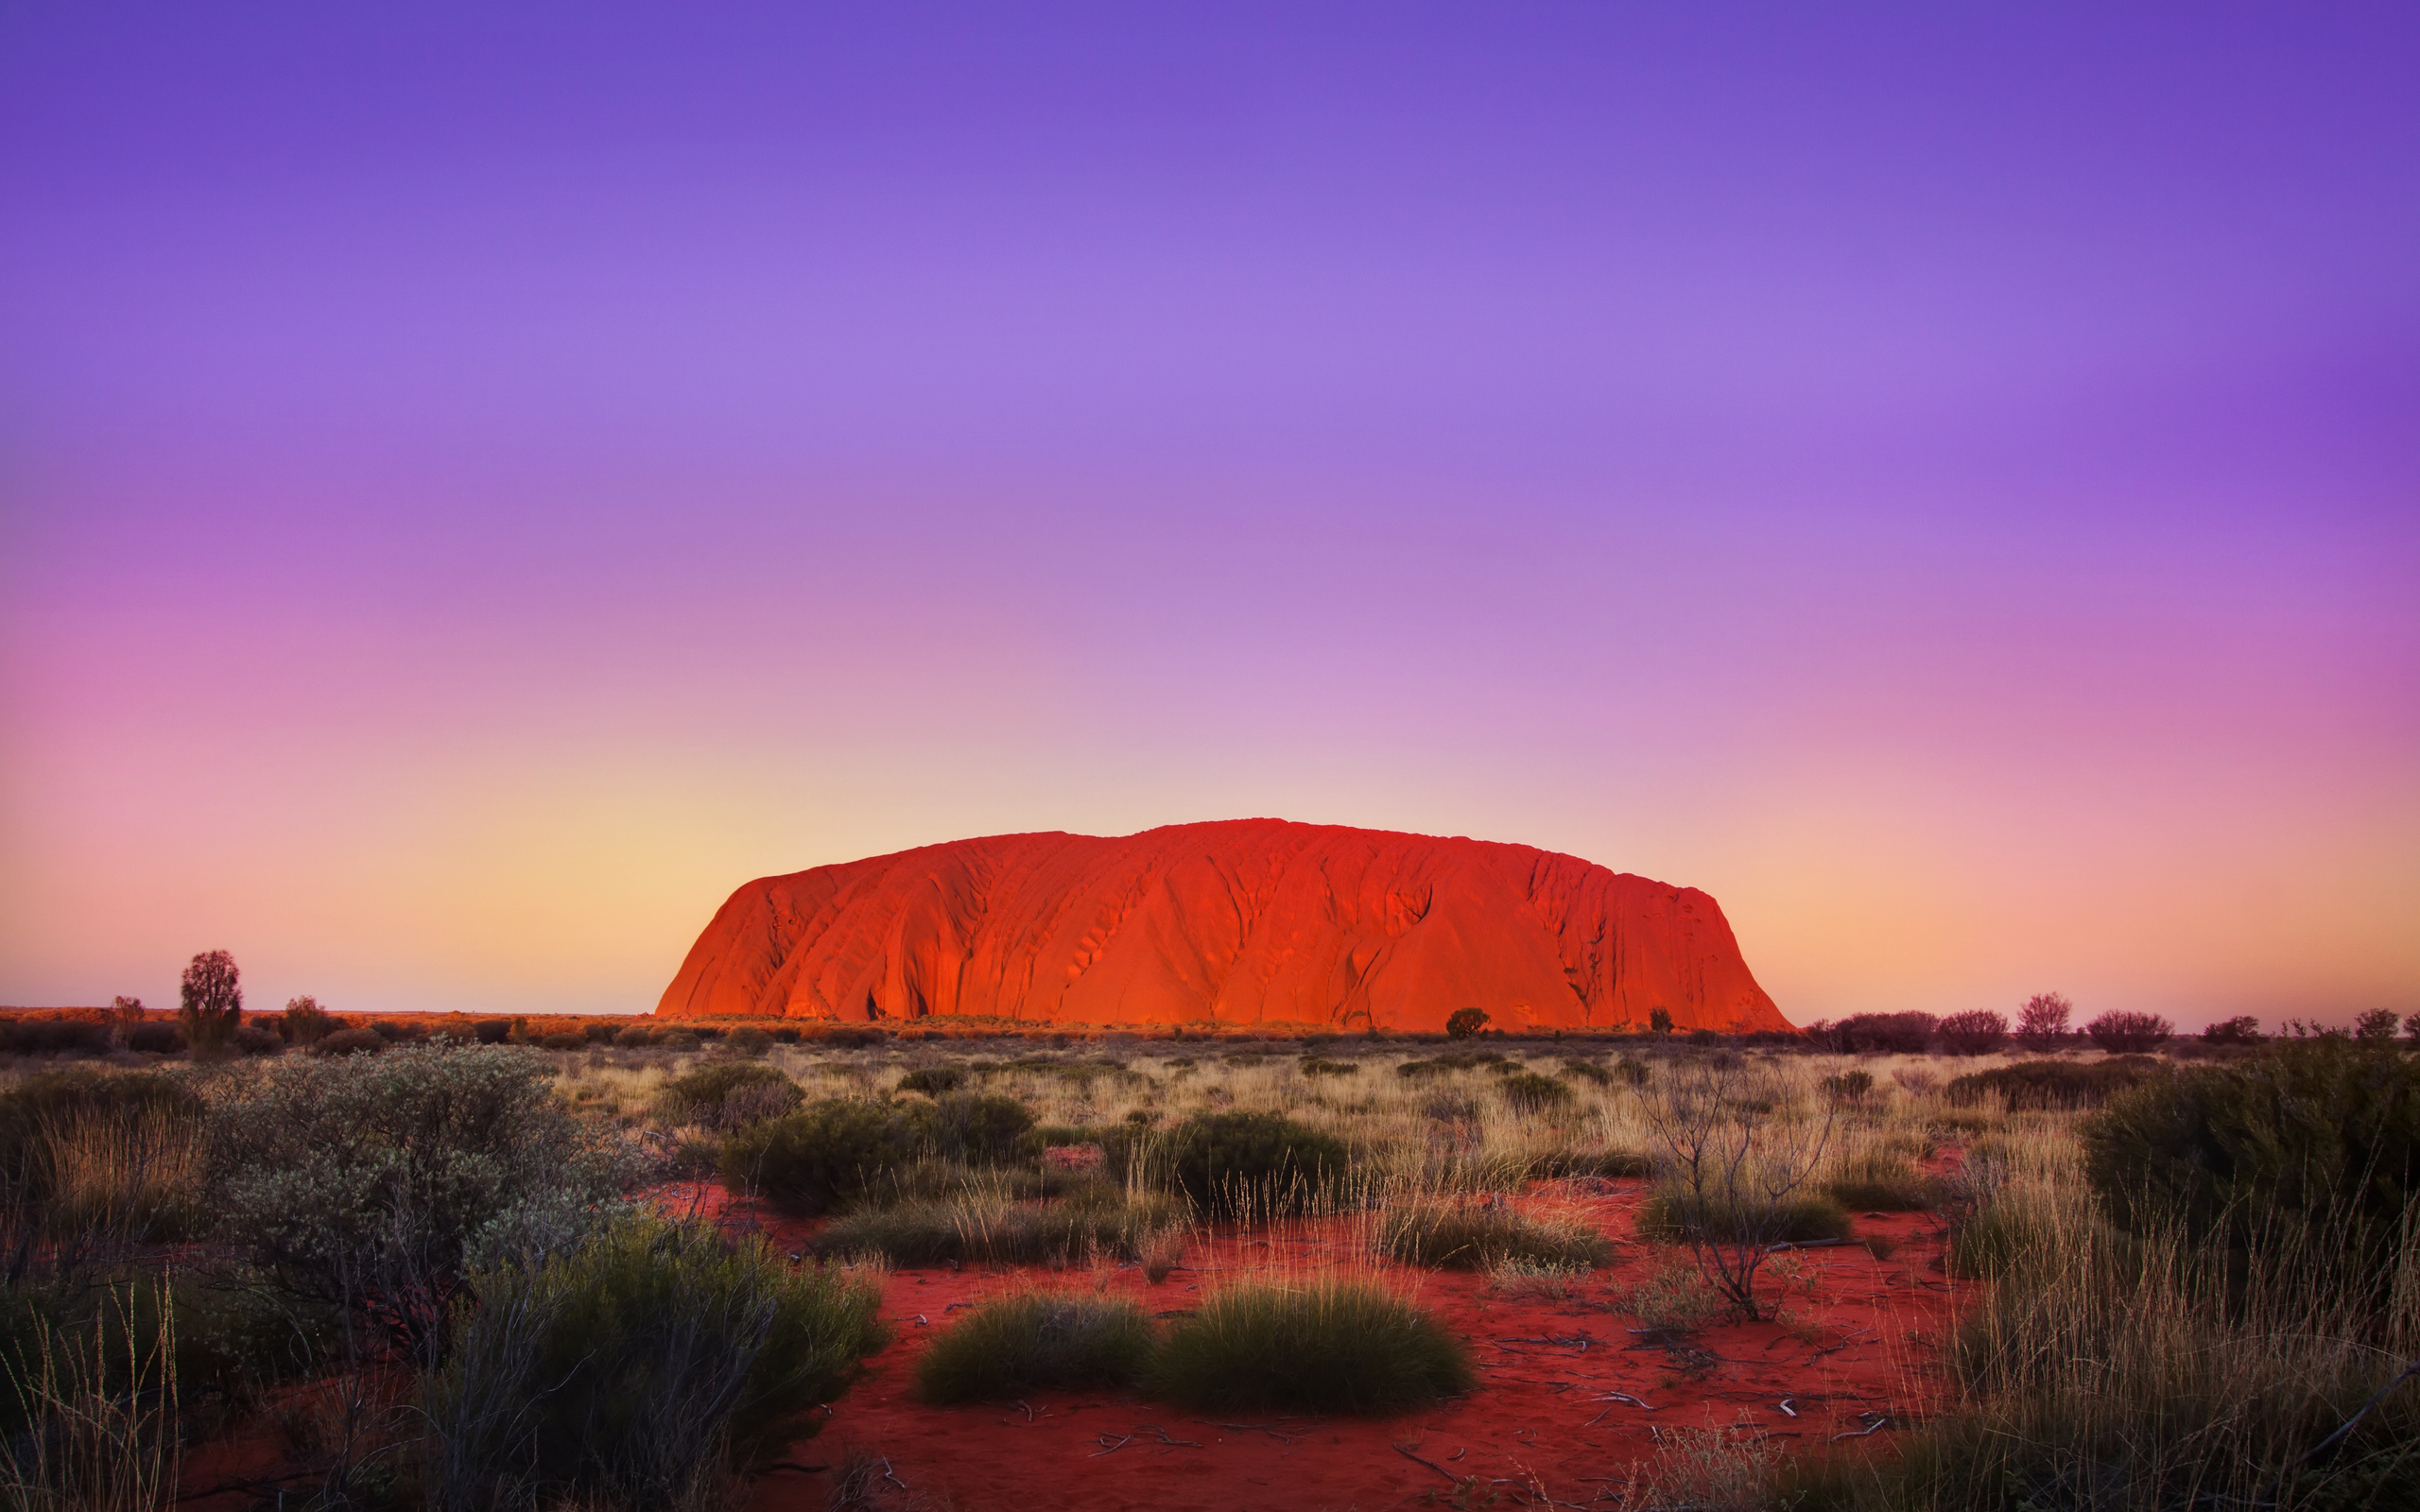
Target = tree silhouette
(211,1002)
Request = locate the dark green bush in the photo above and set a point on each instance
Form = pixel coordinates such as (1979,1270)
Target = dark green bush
(1013,1345)
(826,1154)
(1482,1235)
(637,1037)
(1529,1093)
(563,1040)
(1315,1066)
(1331,1346)
(350,1042)
(2313,1142)
(2031,1085)
(1796,1218)
(976,1129)
(1848,1087)
(640,1369)
(156,1038)
(1636,1072)
(53,1036)
(728,1094)
(1589,1071)
(492,1031)
(1251,1165)
(1451,1060)
(748,1042)
(934,1081)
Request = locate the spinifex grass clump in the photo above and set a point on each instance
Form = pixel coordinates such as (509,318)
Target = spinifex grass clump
(2312,1144)
(979,1230)
(1671,1216)
(729,1094)
(834,1151)
(1483,1235)
(1878,1179)
(1037,1341)
(1526,1091)
(639,1370)
(1323,1346)
(1252,1164)
(2030,1085)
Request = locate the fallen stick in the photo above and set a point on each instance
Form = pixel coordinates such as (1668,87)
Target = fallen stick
(1809,1244)
(1430,1463)
(2350,1423)
(1787,1409)
(1109,1448)
(1622,1396)
(1876,1426)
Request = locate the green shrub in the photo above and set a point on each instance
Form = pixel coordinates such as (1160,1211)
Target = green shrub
(1482,1236)
(1663,1218)
(1451,1061)
(637,1037)
(1331,1346)
(1314,1066)
(993,1232)
(976,1129)
(1636,1072)
(563,1040)
(156,1038)
(1529,1093)
(379,1182)
(1589,1071)
(2313,1142)
(2035,1085)
(30,1035)
(934,1081)
(728,1094)
(1880,1181)
(350,1042)
(750,1042)
(1848,1087)
(1465,1023)
(1251,1165)
(639,1370)
(1012,1345)
(826,1153)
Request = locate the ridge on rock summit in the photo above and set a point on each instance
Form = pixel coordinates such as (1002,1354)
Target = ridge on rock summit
(1239,921)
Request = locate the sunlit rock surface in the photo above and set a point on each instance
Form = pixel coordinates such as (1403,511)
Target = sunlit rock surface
(1243,921)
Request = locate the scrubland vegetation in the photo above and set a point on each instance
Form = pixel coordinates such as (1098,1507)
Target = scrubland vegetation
(475,1272)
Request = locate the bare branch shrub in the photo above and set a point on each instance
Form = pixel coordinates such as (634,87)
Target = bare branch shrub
(1734,1158)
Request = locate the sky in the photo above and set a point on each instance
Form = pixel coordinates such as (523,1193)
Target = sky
(479,483)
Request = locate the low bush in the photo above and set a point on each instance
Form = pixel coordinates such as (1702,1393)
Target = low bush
(350,1042)
(1976,1032)
(1589,1070)
(826,1153)
(1329,1347)
(378,1182)
(2243,1030)
(1675,1295)
(1905,1034)
(156,1038)
(1875,1180)
(2036,1085)
(1526,1091)
(637,1037)
(30,1036)
(1315,1066)
(976,1129)
(750,1042)
(1013,1345)
(1484,1235)
(727,1095)
(2313,1143)
(992,1231)
(2123,1033)
(1636,1072)
(559,1039)
(255,1039)
(1666,1217)
(492,1031)
(639,1370)
(1452,1061)
(1235,1165)
(1848,1086)
(934,1081)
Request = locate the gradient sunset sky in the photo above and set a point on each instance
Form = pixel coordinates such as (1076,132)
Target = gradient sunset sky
(480,482)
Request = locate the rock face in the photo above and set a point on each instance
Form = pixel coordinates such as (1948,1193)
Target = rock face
(1245,921)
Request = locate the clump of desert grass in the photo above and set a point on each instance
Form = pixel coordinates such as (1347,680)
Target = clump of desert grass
(1466,1234)
(1038,1341)
(1538,1281)
(978,1229)
(1674,1295)
(1343,1345)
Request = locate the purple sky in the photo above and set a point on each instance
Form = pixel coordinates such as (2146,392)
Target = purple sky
(476,489)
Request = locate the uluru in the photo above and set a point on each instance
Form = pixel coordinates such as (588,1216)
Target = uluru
(1243,921)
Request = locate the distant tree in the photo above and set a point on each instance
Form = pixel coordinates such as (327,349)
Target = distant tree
(2378,1024)
(2412,1028)
(2042,1021)
(1465,1023)
(2124,1033)
(1660,1020)
(1975,1032)
(211,1002)
(128,1014)
(2244,1030)
(306,1023)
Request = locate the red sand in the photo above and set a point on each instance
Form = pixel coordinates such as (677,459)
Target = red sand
(1868,1338)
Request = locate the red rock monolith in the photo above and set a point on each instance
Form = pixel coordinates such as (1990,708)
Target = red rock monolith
(1245,921)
